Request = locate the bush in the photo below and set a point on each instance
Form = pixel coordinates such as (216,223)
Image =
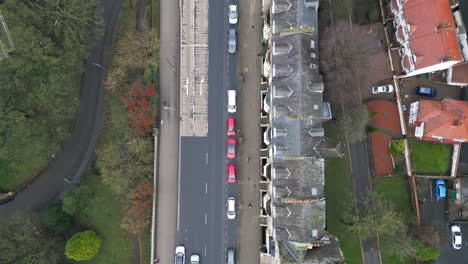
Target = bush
(373,14)
(55,219)
(425,252)
(83,246)
(76,200)
(397,147)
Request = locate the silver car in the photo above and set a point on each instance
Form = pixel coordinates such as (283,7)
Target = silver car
(231,255)
(195,259)
(232,14)
(231,208)
(232,42)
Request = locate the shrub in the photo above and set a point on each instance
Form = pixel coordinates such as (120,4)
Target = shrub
(373,14)
(425,252)
(397,147)
(55,219)
(76,200)
(83,246)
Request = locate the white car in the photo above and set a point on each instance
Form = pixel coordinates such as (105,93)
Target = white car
(232,14)
(231,208)
(456,236)
(180,255)
(195,259)
(388,88)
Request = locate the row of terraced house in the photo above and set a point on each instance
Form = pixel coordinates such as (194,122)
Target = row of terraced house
(294,147)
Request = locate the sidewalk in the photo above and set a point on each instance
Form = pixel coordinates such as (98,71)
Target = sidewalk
(166,215)
(248,168)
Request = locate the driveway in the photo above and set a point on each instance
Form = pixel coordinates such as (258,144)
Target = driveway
(78,151)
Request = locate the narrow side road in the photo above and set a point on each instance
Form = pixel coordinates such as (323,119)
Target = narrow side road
(78,151)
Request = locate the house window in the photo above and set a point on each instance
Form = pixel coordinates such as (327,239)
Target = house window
(312,44)
(313,66)
(314,191)
(314,232)
(312,55)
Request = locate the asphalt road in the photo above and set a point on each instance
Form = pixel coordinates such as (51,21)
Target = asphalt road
(203,227)
(78,151)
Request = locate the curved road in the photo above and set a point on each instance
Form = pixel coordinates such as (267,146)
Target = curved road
(78,151)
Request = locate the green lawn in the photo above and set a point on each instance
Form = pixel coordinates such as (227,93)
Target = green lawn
(338,190)
(429,157)
(395,190)
(103,215)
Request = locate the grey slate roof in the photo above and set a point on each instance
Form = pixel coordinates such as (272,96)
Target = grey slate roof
(292,14)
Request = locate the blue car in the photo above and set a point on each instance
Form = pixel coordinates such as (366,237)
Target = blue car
(440,189)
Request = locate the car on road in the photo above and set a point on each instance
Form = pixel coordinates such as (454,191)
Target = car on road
(440,189)
(231,105)
(231,148)
(455,230)
(231,173)
(231,126)
(195,259)
(232,41)
(180,255)
(232,14)
(231,208)
(231,255)
(426,91)
(379,89)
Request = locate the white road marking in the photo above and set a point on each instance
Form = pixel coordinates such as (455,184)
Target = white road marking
(205,250)
(187,85)
(206,188)
(206,158)
(206,219)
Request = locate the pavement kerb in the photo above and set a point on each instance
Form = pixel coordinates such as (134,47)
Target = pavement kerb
(155,186)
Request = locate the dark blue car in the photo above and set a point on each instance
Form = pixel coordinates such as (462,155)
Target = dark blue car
(426,91)
(440,189)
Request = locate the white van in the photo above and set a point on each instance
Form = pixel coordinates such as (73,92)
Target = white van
(231,106)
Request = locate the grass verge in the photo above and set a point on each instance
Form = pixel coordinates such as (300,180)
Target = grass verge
(338,190)
(429,157)
(395,191)
(103,215)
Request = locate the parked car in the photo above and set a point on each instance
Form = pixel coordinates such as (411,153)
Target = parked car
(387,88)
(195,259)
(426,91)
(463,213)
(231,208)
(231,148)
(232,14)
(231,255)
(180,255)
(440,189)
(231,173)
(231,126)
(455,230)
(232,42)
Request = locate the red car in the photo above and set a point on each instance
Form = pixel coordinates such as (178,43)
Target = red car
(231,173)
(231,148)
(231,126)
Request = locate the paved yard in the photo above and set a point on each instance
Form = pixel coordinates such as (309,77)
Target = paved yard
(388,123)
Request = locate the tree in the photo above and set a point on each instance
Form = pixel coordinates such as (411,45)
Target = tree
(137,215)
(24,241)
(425,252)
(74,23)
(140,107)
(55,219)
(83,246)
(343,50)
(354,122)
(76,200)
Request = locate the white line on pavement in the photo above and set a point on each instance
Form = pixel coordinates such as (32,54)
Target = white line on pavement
(206,188)
(206,158)
(205,250)
(206,219)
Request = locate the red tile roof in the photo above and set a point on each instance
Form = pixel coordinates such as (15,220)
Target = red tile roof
(447,119)
(460,73)
(432,32)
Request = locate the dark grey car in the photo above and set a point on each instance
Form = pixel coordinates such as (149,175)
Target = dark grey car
(232,41)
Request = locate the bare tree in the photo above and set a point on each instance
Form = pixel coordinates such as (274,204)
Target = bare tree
(344,48)
(353,123)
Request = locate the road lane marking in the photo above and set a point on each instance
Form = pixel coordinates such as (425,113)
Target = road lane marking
(206,219)
(206,158)
(206,188)
(205,250)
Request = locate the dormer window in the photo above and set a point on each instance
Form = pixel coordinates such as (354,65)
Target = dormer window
(312,44)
